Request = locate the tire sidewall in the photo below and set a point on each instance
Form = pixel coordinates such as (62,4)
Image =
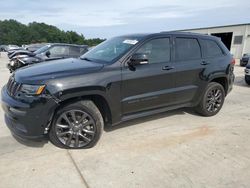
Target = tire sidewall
(247,80)
(211,86)
(81,105)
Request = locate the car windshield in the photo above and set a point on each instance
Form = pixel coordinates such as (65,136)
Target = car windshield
(110,50)
(43,49)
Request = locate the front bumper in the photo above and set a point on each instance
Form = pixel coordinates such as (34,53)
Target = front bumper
(27,118)
(247,72)
(244,61)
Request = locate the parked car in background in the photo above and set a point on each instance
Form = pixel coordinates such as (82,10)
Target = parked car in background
(34,47)
(47,53)
(8,48)
(244,60)
(123,78)
(27,50)
(247,74)
(3,48)
(11,48)
(19,53)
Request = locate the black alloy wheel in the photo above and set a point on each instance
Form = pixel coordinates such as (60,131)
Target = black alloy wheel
(214,100)
(76,126)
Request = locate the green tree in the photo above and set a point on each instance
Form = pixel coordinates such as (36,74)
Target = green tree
(13,32)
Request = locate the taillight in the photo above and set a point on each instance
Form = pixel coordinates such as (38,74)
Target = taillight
(233,62)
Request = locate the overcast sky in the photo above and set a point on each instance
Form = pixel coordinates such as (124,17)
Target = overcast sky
(107,18)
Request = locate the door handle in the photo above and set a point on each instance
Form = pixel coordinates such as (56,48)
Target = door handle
(204,62)
(167,68)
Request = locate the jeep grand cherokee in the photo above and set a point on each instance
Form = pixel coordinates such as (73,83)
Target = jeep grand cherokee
(123,78)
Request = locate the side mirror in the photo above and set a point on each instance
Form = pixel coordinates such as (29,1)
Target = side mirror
(138,59)
(47,53)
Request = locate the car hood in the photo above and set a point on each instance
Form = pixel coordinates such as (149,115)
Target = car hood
(42,72)
(21,52)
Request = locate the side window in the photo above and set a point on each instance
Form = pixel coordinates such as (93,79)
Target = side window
(187,49)
(83,50)
(210,48)
(59,51)
(158,50)
(74,51)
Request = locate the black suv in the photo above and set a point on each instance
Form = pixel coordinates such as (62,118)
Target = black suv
(247,74)
(48,52)
(244,60)
(123,78)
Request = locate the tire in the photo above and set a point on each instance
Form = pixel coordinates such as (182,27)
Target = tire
(77,126)
(247,80)
(211,102)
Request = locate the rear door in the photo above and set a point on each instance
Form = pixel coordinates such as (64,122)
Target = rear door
(188,68)
(149,85)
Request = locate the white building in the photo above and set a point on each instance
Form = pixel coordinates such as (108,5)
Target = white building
(235,37)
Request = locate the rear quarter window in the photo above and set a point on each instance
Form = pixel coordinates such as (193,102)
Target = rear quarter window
(210,48)
(187,49)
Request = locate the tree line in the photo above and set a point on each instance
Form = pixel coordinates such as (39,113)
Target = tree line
(14,32)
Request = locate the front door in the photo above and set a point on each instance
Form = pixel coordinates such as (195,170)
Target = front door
(150,85)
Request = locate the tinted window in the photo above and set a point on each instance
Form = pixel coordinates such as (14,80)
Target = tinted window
(59,51)
(187,49)
(74,51)
(158,50)
(42,49)
(210,48)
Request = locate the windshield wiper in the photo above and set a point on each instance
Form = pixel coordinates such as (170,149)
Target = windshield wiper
(86,59)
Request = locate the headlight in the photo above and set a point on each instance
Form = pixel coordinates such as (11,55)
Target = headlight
(12,63)
(32,89)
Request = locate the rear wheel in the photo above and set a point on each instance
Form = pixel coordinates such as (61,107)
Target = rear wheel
(212,100)
(78,125)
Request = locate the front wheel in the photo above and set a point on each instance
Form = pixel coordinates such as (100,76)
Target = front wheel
(212,100)
(247,79)
(78,125)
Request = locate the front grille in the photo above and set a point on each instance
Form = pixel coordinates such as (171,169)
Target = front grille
(13,87)
(245,59)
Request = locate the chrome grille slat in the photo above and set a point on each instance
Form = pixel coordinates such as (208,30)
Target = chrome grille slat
(13,87)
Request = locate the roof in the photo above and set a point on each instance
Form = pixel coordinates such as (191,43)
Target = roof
(163,32)
(145,35)
(65,44)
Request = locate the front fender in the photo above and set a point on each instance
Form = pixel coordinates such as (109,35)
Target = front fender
(65,94)
(110,92)
(105,83)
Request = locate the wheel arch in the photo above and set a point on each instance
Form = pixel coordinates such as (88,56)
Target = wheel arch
(99,100)
(221,80)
